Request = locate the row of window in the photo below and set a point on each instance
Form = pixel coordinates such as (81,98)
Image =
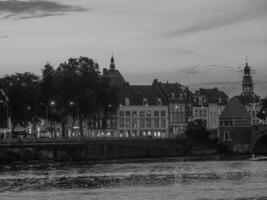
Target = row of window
(143,123)
(177,117)
(200,113)
(177,107)
(147,113)
(142,133)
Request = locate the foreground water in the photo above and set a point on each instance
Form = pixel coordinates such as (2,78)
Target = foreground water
(157,180)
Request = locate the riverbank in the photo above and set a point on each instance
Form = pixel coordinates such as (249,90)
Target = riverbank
(107,150)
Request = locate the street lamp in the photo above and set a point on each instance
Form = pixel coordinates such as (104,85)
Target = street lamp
(78,109)
(51,103)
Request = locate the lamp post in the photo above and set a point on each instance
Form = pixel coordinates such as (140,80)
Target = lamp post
(77,111)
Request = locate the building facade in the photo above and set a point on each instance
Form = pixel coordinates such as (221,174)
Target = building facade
(235,128)
(208,105)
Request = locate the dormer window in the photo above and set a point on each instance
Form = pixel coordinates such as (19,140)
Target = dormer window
(220,100)
(145,102)
(181,95)
(172,95)
(127,101)
(159,102)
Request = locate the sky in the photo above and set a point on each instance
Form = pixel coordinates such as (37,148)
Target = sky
(186,41)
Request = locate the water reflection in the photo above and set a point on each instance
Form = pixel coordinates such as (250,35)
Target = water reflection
(135,180)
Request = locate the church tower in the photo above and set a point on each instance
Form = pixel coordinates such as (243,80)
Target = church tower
(247,84)
(112,64)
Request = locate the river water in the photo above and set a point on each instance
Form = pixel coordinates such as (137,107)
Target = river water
(136,179)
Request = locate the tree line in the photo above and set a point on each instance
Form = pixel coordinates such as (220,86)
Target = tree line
(74,88)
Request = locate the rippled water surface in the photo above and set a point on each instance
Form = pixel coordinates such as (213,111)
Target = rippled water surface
(156,180)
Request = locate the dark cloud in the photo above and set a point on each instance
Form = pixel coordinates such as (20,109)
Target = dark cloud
(252,11)
(34,8)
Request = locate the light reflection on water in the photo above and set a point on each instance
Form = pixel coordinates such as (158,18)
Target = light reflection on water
(239,180)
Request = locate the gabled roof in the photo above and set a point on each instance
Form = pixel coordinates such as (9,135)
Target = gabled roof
(213,95)
(141,92)
(234,109)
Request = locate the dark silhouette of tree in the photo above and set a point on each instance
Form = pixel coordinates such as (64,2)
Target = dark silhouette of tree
(263,112)
(197,131)
(75,87)
(23,92)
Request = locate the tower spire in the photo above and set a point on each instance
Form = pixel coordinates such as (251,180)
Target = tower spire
(247,85)
(112,63)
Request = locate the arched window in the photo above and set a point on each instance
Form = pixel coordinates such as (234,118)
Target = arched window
(127,101)
(227,136)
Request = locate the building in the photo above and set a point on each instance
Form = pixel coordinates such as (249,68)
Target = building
(179,108)
(248,97)
(208,105)
(142,113)
(235,128)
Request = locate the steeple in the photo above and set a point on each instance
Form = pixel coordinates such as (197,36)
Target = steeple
(112,64)
(247,84)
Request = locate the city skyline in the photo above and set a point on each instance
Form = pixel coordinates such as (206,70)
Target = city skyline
(151,39)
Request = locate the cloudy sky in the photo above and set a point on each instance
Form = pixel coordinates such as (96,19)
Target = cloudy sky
(187,41)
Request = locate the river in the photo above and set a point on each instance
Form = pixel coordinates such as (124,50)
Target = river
(136,179)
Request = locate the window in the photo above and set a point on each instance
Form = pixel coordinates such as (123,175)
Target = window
(128,113)
(156,123)
(134,123)
(148,123)
(148,113)
(163,123)
(128,123)
(163,113)
(156,113)
(122,123)
(134,113)
(142,113)
(227,136)
(121,113)
(145,102)
(204,113)
(142,123)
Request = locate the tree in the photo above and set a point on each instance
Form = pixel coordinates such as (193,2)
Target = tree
(23,92)
(197,131)
(263,112)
